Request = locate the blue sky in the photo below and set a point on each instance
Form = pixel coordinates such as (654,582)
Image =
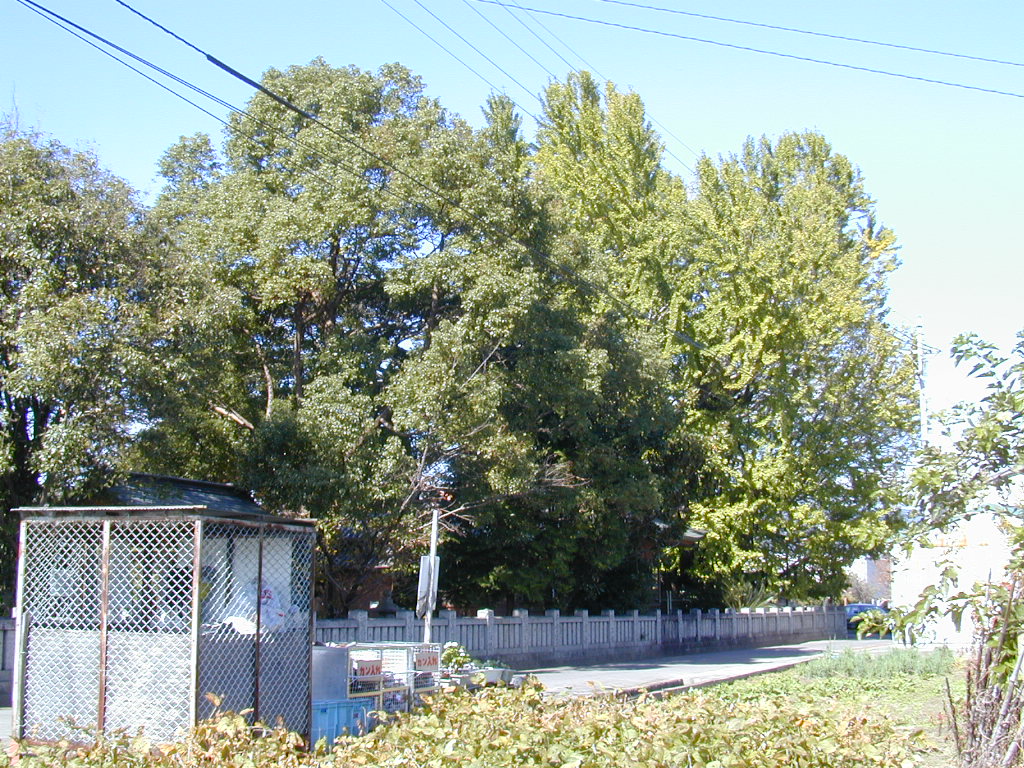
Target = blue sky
(944,164)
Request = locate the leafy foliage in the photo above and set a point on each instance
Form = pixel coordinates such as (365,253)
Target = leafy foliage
(514,727)
(801,392)
(981,454)
(382,312)
(76,262)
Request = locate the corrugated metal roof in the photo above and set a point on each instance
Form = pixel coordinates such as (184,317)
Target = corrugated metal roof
(145,494)
(159,490)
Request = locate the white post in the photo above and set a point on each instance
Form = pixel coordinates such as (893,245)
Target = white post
(433,577)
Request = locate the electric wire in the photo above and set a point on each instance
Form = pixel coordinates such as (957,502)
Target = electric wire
(565,45)
(486,228)
(766,52)
(74,33)
(667,131)
(797,31)
(444,48)
(467,42)
(216,99)
(581,282)
(504,34)
(528,28)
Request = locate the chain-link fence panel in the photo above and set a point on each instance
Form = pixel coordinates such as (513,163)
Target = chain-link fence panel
(61,610)
(227,642)
(285,640)
(149,619)
(256,642)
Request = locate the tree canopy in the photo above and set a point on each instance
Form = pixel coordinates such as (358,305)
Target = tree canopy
(383,311)
(75,256)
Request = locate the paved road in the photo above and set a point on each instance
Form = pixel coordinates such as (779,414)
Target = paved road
(665,672)
(690,670)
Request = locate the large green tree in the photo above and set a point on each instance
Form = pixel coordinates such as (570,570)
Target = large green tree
(350,311)
(381,311)
(592,395)
(802,390)
(75,291)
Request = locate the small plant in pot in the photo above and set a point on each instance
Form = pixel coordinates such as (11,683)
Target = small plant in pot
(462,669)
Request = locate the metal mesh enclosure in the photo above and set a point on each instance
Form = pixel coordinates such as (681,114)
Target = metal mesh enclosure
(271,676)
(61,603)
(128,621)
(148,639)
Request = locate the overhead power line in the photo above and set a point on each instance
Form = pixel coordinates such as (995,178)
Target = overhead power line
(813,33)
(475,48)
(81,33)
(564,44)
(504,34)
(592,68)
(445,48)
(486,228)
(489,229)
(750,49)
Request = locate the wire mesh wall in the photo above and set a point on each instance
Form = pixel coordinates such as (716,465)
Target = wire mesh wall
(62,650)
(129,622)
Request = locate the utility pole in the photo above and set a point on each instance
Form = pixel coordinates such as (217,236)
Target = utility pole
(922,399)
(428,579)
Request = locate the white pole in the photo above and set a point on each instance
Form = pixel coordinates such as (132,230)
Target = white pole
(433,576)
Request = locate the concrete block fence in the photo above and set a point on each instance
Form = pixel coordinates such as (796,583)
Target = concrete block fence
(527,641)
(6,660)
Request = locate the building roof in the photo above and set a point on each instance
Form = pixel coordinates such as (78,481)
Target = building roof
(145,495)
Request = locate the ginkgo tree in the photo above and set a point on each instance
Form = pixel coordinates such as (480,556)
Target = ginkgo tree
(802,387)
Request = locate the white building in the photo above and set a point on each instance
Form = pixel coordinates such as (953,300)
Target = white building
(978,548)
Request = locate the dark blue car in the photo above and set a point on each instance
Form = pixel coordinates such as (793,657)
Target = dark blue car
(854,611)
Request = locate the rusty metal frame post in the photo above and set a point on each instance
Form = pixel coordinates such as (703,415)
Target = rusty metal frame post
(312,636)
(259,628)
(197,620)
(21,639)
(101,710)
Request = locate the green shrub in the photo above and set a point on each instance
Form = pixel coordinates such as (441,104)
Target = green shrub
(505,727)
(227,741)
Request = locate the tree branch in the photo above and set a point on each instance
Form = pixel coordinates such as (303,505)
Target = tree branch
(234,416)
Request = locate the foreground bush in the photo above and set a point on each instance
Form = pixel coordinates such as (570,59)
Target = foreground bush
(507,727)
(514,728)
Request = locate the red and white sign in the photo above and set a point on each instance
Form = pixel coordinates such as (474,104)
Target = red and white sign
(427,660)
(368,667)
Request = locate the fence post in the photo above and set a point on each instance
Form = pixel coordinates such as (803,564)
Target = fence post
(409,630)
(695,612)
(613,629)
(362,620)
(524,625)
(556,628)
(450,620)
(490,632)
(586,631)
